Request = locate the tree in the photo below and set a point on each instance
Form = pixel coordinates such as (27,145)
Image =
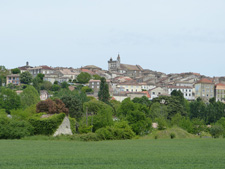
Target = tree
(55,87)
(46,85)
(103,94)
(36,84)
(158,111)
(29,96)
(142,100)
(9,99)
(15,71)
(41,77)
(216,131)
(83,77)
(51,107)
(96,77)
(86,89)
(64,85)
(74,106)
(25,78)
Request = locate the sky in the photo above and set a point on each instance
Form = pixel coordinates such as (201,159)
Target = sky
(170,36)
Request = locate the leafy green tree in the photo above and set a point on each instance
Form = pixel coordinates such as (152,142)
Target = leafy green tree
(74,104)
(83,77)
(46,85)
(158,111)
(15,71)
(139,123)
(41,77)
(102,119)
(198,109)
(96,77)
(36,84)
(29,96)
(86,89)
(142,100)
(173,105)
(9,99)
(94,106)
(115,105)
(55,87)
(64,85)
(103,94)
(25,78)
(216,131)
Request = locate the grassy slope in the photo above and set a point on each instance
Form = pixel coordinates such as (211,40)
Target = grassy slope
(132,154)
(163,134)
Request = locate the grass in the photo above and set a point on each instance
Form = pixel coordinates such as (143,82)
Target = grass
(165,134)
(130,154)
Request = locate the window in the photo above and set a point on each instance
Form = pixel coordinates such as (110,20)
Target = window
(127,90)
(97,86)
(159,93)
(9,78)
(153,92)
(189,94)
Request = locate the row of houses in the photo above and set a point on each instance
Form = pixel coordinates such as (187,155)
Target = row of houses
(132,80)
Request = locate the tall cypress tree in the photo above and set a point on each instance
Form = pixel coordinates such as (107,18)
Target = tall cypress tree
(103,94)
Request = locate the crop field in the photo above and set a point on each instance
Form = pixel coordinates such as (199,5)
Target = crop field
(130,154)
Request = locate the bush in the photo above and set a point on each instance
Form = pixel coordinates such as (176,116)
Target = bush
(172,135)
(46,126)
(73,124)
(14,129)
(120,131)
(89,137)
(216,131)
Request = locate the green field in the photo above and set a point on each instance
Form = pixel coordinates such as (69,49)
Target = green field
(132,154)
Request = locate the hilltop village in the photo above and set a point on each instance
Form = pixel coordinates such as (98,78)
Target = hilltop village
(126,80)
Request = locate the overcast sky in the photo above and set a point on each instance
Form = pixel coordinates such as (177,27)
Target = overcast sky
(171,36)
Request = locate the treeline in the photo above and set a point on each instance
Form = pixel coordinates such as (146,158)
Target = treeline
(105,119)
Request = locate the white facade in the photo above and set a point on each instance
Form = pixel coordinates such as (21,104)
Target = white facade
(186,90)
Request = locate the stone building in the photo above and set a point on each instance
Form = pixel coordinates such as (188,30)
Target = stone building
(220,92)
(125,69)
(204,88)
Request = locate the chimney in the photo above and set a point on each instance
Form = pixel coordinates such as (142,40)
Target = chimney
(27,63)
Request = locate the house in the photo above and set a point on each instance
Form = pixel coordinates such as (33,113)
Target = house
(44,95)
(186,90)
(92,68)
(123,95)
(220,92)
(156,92)
(130,86)
(13,79)
(95,86)
(128,70)
(24,68)
(40,69)
(204,88)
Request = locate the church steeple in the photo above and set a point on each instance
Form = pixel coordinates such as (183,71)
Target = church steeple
(118,58)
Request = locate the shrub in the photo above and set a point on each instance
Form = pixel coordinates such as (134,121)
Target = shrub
(172,135)
(89,137)
(73,124)
(14,129)
(46,126)
(216,131)
(120,131)
(51,107)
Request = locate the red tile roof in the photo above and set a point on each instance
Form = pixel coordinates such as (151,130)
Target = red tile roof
(204,80)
